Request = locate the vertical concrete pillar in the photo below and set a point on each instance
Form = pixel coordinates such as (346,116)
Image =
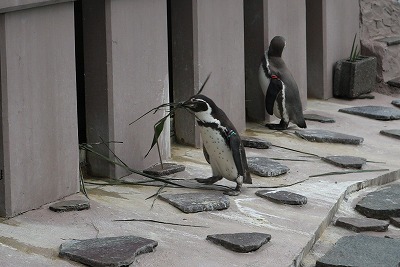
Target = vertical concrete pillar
(331,26)
(39,136)
(265,19)
(207,36)
(126,65)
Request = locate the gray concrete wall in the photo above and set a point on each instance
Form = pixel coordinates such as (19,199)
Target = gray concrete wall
(38,102)
(135,64)
(264,20)
(218,47)
(340,22)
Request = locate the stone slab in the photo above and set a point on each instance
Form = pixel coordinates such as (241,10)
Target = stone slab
(395,221)
(282,197)
(319,118)
(392,133)
(324,136)
(254,142)
(374,112)
(266,167)
(108,251)
(346,161)
(164,169)
(240,242)
(362,224)
(197,202)
(381,204)
(70,205)
(396,102)
(362,250)
(394,40)
(365,96)
(394,82)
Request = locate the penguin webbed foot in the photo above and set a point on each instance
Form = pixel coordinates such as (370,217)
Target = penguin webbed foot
(209,180)
(281,126)
(234,192)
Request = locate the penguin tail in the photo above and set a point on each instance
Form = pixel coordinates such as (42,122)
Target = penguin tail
(302,124)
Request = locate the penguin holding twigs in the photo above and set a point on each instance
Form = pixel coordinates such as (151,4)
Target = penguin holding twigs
(282,97)
(222,146)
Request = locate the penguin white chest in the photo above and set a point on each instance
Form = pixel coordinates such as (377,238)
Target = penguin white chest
(221,159)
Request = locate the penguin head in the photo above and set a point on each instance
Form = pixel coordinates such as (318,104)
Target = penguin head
(276,46)
(199,103)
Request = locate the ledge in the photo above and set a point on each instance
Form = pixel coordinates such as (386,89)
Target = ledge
(15,5)
(395,40)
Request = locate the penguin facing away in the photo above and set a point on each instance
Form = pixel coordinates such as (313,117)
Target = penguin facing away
(282,97)
(222,146)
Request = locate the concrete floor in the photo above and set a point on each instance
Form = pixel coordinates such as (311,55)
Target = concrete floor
(33,238)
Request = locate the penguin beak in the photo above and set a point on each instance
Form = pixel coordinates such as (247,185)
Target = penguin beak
(189,104)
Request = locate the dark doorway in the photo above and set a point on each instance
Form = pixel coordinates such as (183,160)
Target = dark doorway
(80,72)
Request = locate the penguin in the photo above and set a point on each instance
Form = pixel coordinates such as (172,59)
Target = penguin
(282,97)
(222,146)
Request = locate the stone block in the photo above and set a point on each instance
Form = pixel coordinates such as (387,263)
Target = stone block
(352,79)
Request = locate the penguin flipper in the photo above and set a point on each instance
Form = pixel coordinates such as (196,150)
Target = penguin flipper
(239,157)
(206,154)
(274,88)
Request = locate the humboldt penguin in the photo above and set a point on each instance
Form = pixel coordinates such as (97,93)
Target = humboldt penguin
(282,97)
(222,146)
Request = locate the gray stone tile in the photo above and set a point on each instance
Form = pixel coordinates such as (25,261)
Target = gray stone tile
(70,205)
(240,242)
(362,250)
(266,167)
(346,161)
(254,142)
(197,202)
(324,136)
(374,112)
(393,40)
(381,204)
(395,221)
(108,251)
(394,82)
(396,103)
(319,118)
(395,133)
(282,197)
(362,224)
(165,169)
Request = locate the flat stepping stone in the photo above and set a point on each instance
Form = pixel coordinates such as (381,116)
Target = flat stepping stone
(346,161)
(254,142)
(394,40)
(381,204)
(282,197)
(240,242)
(319,118)
(396,102)
(394,82)
(165,169)
(362,250)
(365,96)
(197,202)
(108,251)
(362,224)
(395,133)
(324,136)
(70,205)
(266,167)
(374,112)
(395,221)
